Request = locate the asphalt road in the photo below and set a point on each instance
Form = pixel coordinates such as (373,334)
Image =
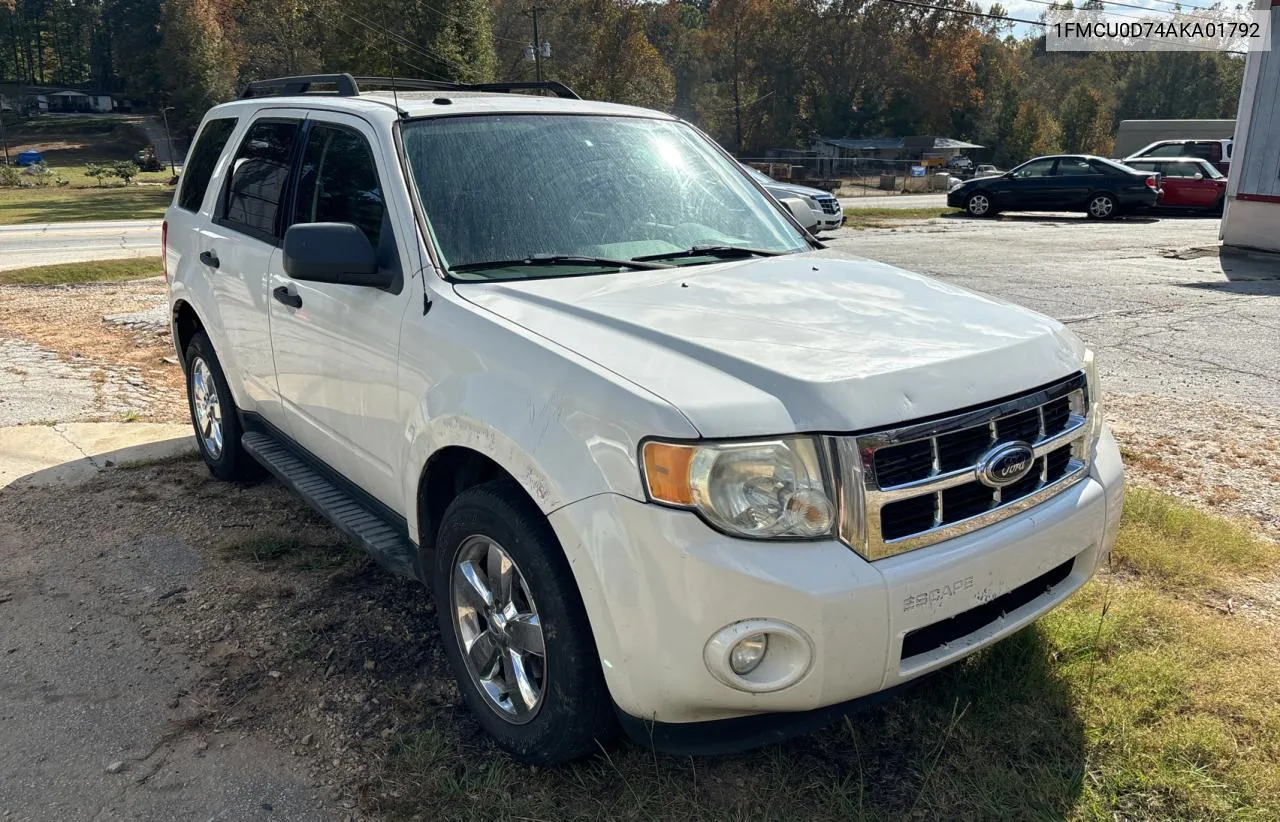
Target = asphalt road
(52,243)
(1167,315)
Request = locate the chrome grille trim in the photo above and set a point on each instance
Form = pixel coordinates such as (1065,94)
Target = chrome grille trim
(864,499)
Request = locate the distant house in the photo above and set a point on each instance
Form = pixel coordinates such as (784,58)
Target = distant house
(69,100)
(914,149)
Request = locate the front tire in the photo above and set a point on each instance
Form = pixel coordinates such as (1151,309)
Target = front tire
(214,414)
(1102,206)
(515,630)
(980,205)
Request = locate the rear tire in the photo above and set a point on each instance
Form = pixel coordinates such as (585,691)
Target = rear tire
(1102,206)
(499,570)
(214,415)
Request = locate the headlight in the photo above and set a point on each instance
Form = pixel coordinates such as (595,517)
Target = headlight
(774,489)
(1094,411)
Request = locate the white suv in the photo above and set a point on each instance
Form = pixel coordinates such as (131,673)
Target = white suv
(663,461)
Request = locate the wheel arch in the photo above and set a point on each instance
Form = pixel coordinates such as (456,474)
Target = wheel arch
(185,322)
(447,473)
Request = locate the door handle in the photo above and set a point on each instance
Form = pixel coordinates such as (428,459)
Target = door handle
(209,258)
(282,294)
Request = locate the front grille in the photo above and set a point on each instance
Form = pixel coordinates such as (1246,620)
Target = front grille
(830,205)
(932,637)
(923,483)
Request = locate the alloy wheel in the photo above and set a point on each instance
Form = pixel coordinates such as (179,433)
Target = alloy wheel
(979,205)
(498,629)
(1101,207)
(208,411)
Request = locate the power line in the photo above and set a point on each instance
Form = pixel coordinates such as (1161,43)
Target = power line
(403,41)
(383,51)
(466,24)
(1056,5)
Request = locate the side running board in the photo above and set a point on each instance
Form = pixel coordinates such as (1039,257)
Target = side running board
(387,544)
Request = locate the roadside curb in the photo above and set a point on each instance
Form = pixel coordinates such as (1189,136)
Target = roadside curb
(76,452)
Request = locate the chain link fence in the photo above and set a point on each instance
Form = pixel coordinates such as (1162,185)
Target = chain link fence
(855,176)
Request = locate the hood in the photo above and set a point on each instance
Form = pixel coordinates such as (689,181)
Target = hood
(802,342)
(792,188)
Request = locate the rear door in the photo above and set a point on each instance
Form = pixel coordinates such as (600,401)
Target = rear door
(1075,179)
(336,346)
(240,245)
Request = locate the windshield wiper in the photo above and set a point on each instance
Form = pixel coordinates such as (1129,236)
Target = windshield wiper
(723,252)
(558,260)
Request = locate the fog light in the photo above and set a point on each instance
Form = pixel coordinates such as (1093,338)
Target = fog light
(748,653)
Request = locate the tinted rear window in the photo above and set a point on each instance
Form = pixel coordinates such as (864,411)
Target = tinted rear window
(199,167)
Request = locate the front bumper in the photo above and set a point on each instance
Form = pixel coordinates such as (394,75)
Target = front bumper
(658,583)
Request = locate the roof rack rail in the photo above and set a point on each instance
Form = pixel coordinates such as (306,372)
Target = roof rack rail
(344,85)
(347,86)
(414,84)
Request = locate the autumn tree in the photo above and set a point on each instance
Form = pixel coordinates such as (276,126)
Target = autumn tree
(196,51)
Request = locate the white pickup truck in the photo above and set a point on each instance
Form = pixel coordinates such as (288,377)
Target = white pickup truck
(664,462)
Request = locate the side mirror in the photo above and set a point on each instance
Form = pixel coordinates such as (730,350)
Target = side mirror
(332,253)
(1199,176)
(803,214)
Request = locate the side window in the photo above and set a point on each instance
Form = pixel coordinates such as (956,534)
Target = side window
(259,175)
(1035,168)
(199,168)
(1205,151)
(1168,150)
(338,182)
(1137,166)
(1182,170)
(1075,166)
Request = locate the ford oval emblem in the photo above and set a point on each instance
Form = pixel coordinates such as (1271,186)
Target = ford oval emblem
(1005,464)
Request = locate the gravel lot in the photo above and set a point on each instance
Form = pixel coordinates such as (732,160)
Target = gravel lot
(1188,341)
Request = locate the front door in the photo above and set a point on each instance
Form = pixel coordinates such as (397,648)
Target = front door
(1025,186)
(336,346)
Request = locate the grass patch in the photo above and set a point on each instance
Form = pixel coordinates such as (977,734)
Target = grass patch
(860,218)
(280,550)
(1125,703)
(100,271)
(1178,545)
(58,205)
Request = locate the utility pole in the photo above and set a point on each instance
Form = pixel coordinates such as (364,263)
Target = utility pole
(164,112)
(3,138)
(538,49)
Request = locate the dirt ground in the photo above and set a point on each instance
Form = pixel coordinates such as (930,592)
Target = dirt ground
(196,649)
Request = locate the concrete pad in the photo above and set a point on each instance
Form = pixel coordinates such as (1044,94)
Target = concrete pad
(71,453)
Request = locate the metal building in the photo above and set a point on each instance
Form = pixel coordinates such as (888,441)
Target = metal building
(1252,218)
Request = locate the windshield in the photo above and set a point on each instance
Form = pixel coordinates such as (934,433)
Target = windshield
(581,193)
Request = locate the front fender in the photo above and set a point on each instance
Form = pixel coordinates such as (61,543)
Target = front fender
(557,448)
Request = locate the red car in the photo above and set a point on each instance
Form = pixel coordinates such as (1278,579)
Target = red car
(1186,182)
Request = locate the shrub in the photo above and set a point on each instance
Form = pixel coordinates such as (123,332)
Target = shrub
(10,177)
(125,169)
(99,171)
